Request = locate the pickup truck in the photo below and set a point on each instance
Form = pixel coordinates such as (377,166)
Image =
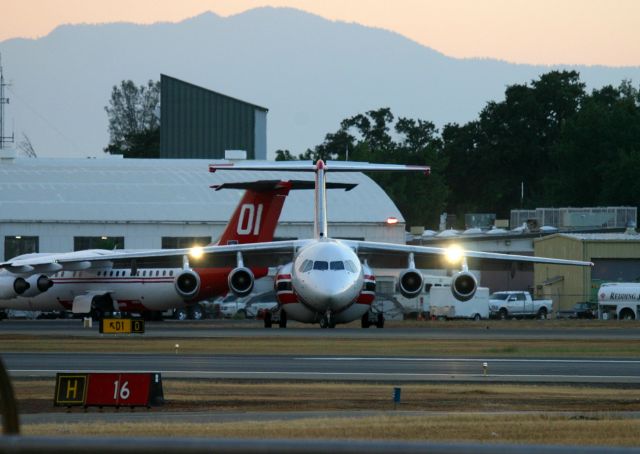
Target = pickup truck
(509,304)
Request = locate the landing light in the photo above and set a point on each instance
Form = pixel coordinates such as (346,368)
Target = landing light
(392,220)
(454,253)
(196,252)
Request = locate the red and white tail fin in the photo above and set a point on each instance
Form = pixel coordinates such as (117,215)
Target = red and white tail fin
(256,217)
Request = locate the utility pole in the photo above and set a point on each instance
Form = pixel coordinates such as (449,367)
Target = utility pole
(4,140)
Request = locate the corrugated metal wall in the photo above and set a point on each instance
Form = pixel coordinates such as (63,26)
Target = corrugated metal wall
(566,285)
(200,123)
(609,256)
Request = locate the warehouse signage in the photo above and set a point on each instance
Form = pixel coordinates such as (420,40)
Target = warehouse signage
(118,389)
(121,326)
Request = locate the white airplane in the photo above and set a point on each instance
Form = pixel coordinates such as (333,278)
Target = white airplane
(324,280)
(104,281)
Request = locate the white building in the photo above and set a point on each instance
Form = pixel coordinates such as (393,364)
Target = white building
(64,204)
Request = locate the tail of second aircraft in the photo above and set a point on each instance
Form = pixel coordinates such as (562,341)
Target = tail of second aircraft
(256,217)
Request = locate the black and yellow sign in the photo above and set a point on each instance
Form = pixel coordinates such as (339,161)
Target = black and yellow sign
(71,389)
(121,326)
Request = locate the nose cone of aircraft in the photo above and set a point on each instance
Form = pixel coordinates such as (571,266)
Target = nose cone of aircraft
(330,290)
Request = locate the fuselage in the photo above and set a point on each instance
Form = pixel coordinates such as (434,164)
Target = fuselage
(130,289)
(325,279)
(327,276)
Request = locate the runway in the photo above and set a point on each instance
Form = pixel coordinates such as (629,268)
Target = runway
(342,368)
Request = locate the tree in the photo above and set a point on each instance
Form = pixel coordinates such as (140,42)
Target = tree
(134,122)
(284,155)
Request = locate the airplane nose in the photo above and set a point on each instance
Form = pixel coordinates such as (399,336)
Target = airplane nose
(331,293)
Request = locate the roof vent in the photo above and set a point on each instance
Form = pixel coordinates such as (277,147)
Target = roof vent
(631,228)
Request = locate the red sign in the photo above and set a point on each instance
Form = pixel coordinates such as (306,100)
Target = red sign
(118,390)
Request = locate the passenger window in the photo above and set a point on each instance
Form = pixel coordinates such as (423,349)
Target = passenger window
(171,273)
(157,272)
(110,273)
(337,265)
(320,265)
(164,272)
(144,273)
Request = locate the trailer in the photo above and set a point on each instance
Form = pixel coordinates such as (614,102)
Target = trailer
(444,305)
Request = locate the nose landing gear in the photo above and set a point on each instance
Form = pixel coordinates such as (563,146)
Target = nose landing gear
(327,322)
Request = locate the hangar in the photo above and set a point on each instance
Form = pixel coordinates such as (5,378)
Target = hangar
(616,258)
(66,204)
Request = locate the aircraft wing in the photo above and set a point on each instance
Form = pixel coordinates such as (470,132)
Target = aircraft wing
(382,255)
(253,254)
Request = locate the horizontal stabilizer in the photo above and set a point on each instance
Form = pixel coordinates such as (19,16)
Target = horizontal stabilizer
(309,166)
(269,185)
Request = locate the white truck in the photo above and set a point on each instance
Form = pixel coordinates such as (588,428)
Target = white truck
(507,304)
(619,300)
(444,305)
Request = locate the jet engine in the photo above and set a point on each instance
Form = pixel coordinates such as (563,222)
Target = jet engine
(38,283)
(12,286)
(241,281)
(463,285)
(187,283)
(410,283)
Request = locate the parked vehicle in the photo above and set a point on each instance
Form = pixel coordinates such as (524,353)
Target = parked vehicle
(509,304)
(580,310)
(619,301)
(232,306)
(444,305)
(256,304)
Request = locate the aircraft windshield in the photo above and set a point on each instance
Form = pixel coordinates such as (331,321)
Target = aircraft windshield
(337,265)
(320,265)
(350,266)
(307,265)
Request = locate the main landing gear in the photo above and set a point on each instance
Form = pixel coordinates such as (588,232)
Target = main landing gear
(271,317)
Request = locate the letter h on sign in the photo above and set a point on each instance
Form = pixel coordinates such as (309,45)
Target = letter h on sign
(71,389)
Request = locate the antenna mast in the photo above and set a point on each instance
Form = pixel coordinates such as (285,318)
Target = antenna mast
(3,139)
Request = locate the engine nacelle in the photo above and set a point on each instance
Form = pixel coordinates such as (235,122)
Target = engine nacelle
(187,284)
(241,281)
(463,285)
(12,286)
(38,283)
(410,283)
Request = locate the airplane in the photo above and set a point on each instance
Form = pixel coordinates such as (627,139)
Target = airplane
(104,281)
(325,280)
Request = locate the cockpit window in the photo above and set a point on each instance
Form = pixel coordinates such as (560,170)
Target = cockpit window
(307,265)
(350,266)
(320,265)
(337,265)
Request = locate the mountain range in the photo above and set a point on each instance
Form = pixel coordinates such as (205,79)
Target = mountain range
(310,73)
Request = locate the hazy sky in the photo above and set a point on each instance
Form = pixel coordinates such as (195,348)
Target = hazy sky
(524,31)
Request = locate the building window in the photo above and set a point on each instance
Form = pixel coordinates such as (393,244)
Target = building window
(18,245)
(183,242)
(80,243)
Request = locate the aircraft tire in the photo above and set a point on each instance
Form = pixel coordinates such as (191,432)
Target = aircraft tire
(282,323)
(267,320)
